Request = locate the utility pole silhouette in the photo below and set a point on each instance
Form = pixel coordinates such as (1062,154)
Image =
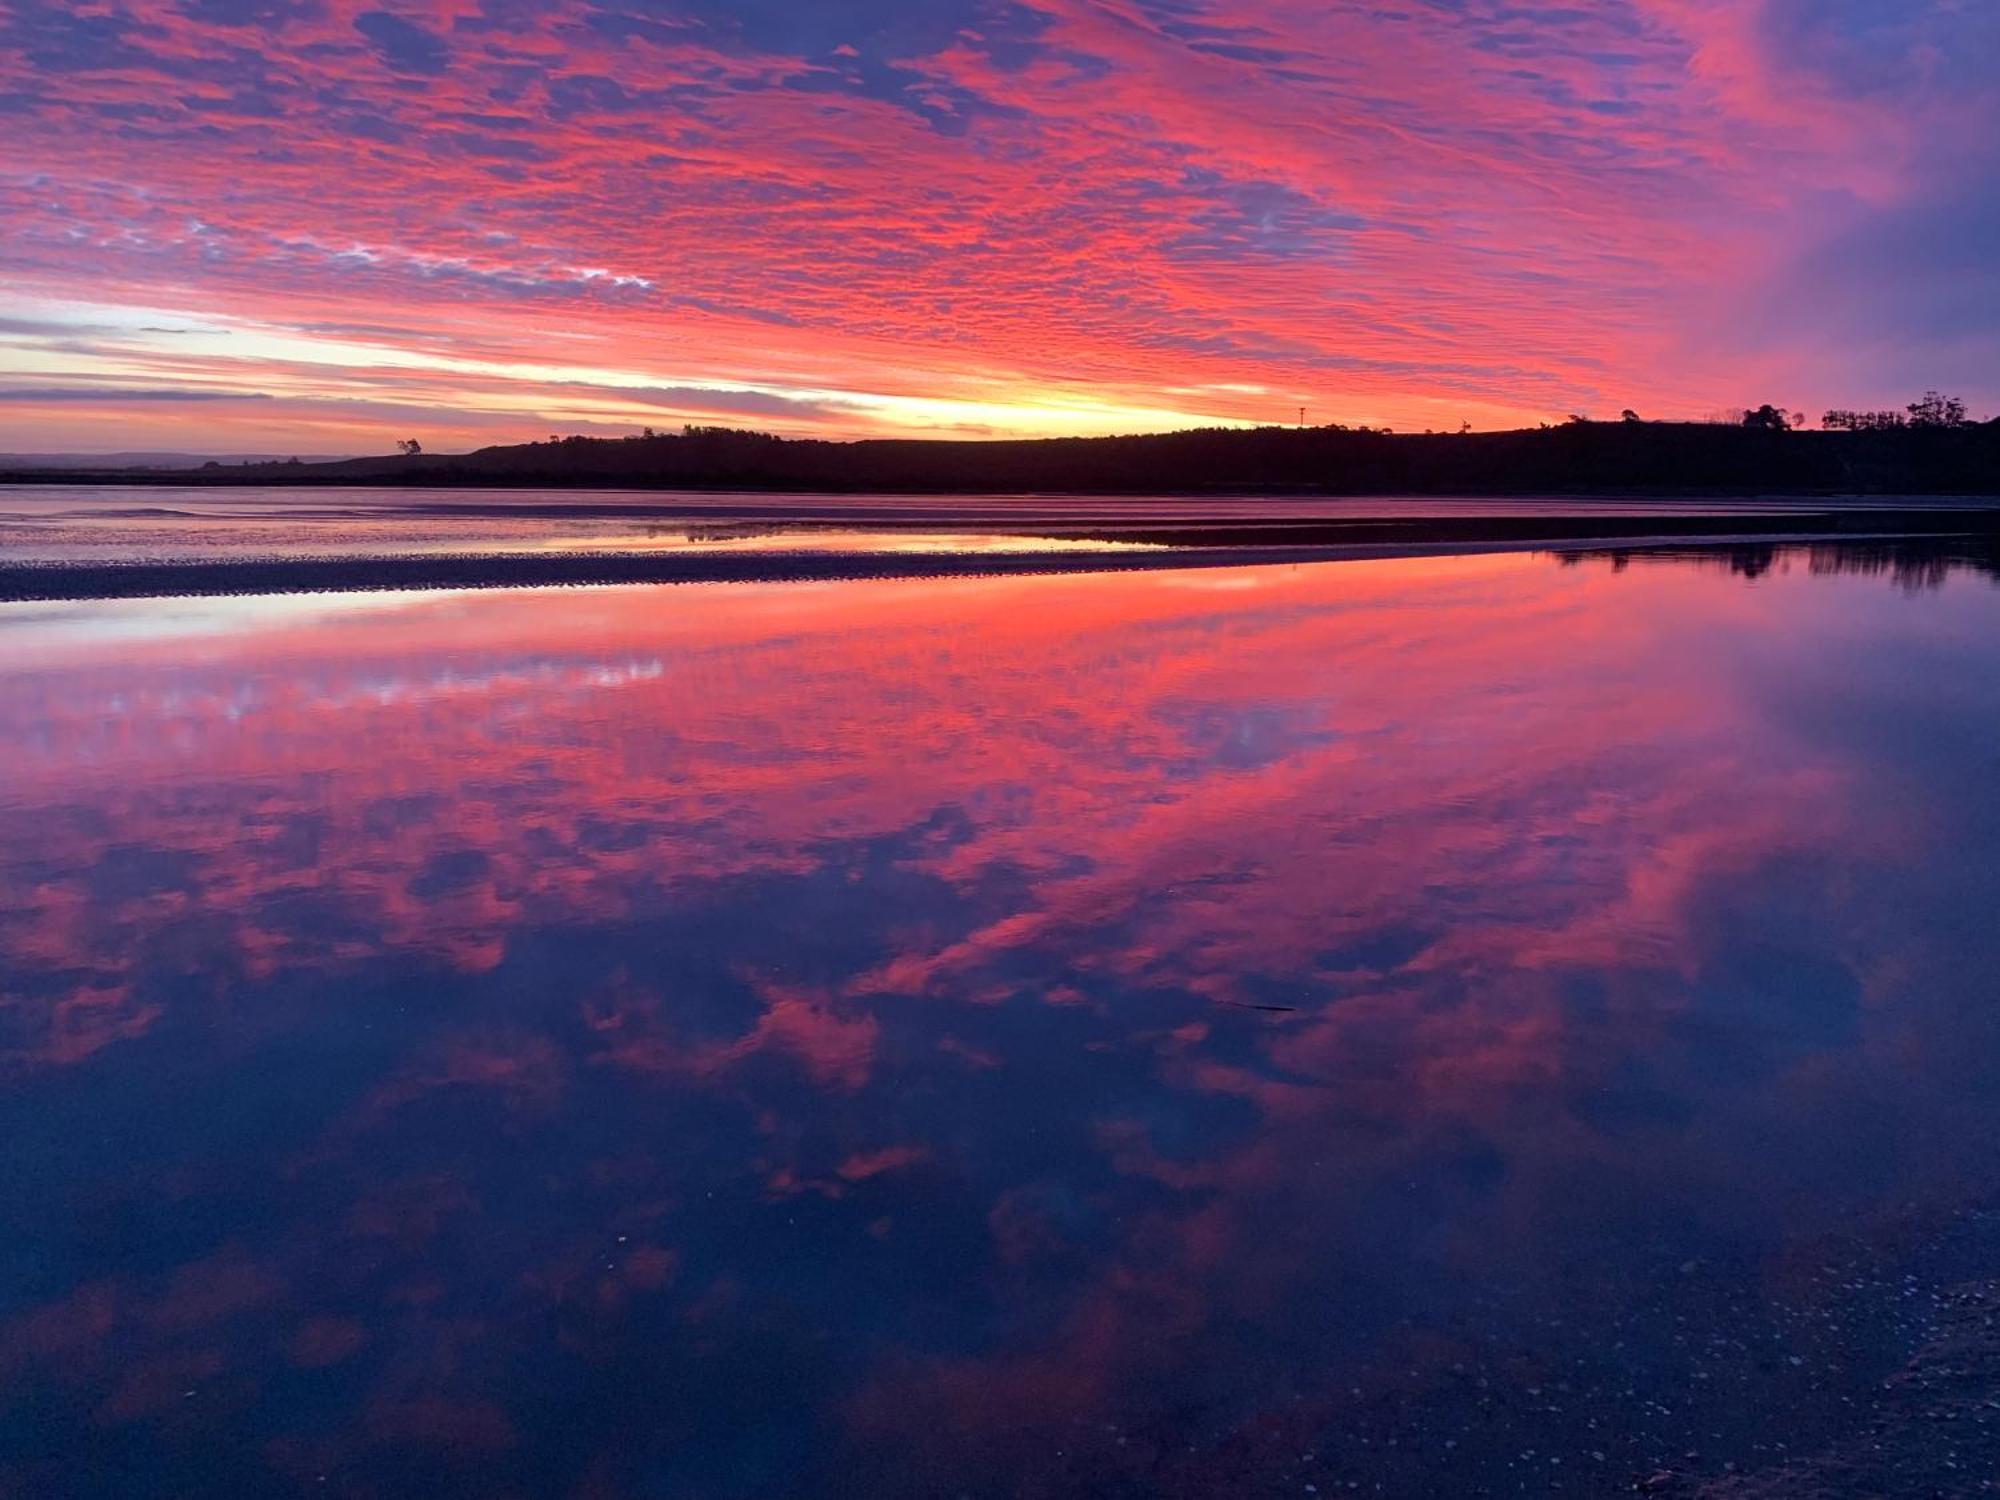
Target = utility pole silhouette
(1302,417)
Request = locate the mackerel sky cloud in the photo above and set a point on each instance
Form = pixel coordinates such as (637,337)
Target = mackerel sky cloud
(320,224)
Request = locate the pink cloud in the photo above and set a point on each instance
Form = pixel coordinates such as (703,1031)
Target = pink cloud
(1402,212)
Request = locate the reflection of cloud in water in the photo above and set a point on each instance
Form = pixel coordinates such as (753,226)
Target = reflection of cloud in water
(832,1056)
(33,627)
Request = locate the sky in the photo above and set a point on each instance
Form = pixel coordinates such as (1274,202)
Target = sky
(324,225)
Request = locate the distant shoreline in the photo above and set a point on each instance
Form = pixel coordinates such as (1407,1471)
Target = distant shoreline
(1978,545)
(1667,460)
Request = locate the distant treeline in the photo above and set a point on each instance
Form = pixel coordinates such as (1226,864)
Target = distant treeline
(1578,457)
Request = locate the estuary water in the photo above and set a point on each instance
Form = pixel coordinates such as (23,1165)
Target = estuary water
(96,523)
(1444,1026)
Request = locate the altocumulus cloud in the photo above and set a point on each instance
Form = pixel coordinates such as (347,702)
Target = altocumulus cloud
(1393,211)
(403,44)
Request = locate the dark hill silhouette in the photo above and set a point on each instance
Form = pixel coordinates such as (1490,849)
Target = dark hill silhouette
(1578,457)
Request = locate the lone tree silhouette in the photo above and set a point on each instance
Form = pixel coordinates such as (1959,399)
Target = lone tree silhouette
(409,447)
(1767,418)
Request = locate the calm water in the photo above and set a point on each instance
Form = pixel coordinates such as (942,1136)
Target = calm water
(1435,1027)
(108,523)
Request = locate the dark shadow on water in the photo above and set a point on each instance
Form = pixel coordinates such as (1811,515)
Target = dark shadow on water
(1914,565)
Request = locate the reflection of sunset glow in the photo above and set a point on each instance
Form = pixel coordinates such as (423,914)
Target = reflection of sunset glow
(944,1028)
(945,543)
(122,540)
